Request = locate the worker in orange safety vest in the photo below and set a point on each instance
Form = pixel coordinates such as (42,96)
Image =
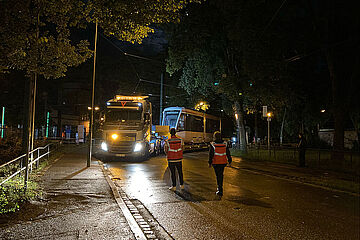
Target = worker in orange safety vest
(174,150)
(219,156)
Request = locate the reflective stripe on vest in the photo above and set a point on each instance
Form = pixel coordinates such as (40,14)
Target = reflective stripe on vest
(175,151)
(219,153)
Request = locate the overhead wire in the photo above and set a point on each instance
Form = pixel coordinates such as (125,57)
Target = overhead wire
(140,57)
(273,17)
(127,58)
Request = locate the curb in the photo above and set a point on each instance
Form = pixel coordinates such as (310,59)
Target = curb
(135,228)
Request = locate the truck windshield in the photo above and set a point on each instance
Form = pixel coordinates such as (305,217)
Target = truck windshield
(119,115)
(170,118)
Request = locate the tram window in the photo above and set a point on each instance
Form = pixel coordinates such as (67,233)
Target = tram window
(171,118)
(181,123)
(194,123)
(212,125)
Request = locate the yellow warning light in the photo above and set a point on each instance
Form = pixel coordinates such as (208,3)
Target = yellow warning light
(131,98)
(114,136)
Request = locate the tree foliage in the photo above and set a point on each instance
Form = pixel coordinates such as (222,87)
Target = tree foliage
(254,53)
(35,34)
(130,20)
(35,37)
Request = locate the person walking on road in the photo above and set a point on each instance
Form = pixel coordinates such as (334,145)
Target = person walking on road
(219,156)
(174,147)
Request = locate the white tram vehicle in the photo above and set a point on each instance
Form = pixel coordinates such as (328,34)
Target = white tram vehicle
(194,127)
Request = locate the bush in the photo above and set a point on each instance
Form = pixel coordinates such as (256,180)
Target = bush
(10,148)
(13,195)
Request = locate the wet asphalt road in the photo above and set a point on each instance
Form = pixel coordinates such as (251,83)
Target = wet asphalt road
(254,206)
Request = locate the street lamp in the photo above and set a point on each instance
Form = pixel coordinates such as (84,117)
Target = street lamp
(269,115)
(202,106)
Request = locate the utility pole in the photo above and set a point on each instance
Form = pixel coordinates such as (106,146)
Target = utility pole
(161,95)
(92,99)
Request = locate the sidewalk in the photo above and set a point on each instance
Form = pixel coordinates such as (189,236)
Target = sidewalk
(77,204)
(328,179)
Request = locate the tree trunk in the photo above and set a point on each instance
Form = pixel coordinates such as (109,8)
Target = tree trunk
(338,110)
(240,125)
(25,118)
(282,128)
(256,128)
(28,130)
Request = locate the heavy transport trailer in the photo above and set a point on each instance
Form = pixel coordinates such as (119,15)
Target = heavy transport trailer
(126,128)
(194,127)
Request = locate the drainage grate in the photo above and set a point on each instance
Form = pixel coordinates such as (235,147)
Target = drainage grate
(148,224)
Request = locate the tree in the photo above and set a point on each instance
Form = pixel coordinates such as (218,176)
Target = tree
(35,37)
(336,26)
(219,55)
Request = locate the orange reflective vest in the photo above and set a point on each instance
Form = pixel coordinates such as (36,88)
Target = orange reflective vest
(219,153)
(175,151)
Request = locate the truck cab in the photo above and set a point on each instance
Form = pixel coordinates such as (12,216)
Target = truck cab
(126,127)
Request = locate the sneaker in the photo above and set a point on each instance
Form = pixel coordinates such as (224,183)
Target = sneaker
(172,188)
(219,193)
(182,187)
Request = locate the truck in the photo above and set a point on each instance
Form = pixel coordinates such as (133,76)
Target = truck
(126,128)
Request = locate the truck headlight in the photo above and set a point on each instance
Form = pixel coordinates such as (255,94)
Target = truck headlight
(114,136)
(138,147)
(104,146)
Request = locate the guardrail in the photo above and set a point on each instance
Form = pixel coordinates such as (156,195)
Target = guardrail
(15,166)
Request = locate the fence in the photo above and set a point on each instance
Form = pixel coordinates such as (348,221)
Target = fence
(15,167)
(344,161)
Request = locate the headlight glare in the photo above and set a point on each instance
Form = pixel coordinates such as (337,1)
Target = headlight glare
(114,136)
(104,146)
(138,147)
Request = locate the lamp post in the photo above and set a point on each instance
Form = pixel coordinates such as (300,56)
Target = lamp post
(92,99)
(91,130)
(268,135)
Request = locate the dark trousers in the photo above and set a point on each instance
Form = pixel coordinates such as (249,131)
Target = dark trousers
(219,172)
(178,166)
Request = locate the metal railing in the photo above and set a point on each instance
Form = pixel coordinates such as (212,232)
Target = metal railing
(15,167)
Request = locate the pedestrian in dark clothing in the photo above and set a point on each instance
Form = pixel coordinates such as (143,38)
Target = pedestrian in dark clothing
(219,156)
(174,147)
(302,149)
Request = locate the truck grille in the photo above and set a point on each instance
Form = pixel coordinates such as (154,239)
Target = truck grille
(124,144)
(122,147)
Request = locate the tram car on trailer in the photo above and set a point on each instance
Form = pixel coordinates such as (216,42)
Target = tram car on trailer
(194,127)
